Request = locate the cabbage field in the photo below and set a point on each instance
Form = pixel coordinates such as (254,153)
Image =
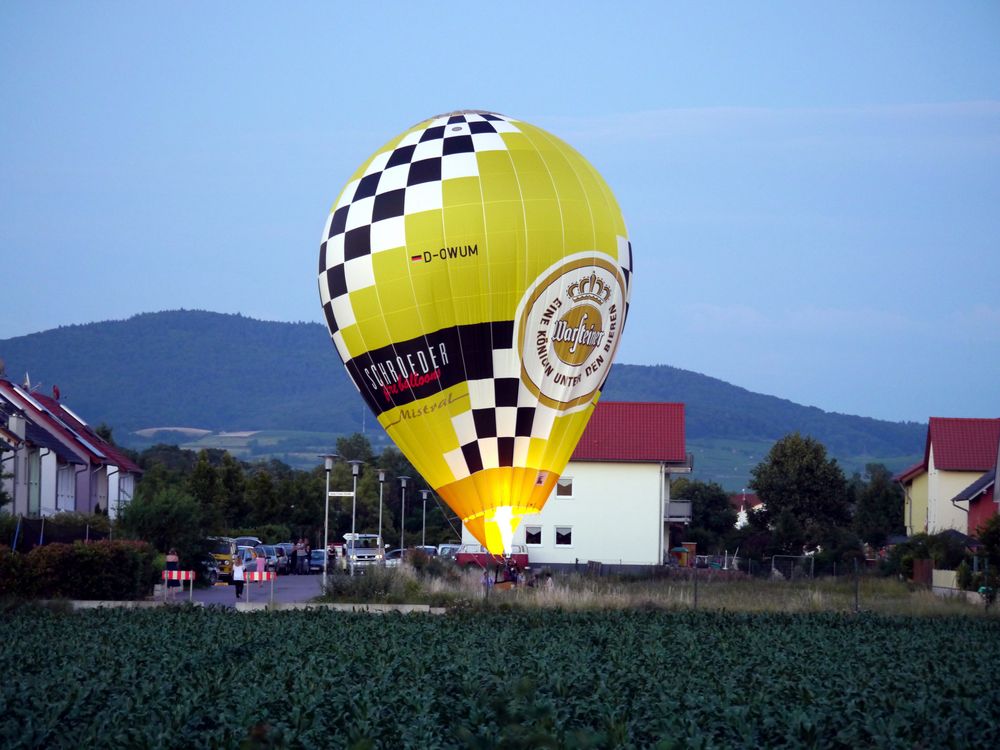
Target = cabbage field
(197,678)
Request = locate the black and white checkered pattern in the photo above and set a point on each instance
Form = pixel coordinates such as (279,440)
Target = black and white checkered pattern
(504,415)
(370,215)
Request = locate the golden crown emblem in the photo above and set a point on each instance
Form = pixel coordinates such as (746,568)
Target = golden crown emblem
(589,288)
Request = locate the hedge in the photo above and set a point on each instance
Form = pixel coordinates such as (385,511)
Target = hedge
(112,570)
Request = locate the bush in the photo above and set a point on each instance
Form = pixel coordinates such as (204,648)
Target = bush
(377,585)
(98,522)
(8,527)
(11,571)
(96,570)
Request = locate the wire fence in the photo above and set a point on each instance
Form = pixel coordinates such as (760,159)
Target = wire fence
(29,533)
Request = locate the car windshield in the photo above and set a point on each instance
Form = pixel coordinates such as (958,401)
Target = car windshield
(369,543)
(317,553)
(221,548)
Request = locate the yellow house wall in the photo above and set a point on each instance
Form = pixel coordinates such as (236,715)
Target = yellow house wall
(942,486)
(915,508)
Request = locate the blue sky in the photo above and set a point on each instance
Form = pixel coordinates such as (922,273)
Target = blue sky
(812,189)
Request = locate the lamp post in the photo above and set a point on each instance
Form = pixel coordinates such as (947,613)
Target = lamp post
(381,482)
(402,516)
(423,534)
(355,470)
(328,459)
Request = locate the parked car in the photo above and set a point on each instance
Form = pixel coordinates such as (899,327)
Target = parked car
(249,557)
(363,549)
(210,569)
(448,550)
(276,560)
(393,558)
(396,556)
(316,558)
(223,550)
(478,556)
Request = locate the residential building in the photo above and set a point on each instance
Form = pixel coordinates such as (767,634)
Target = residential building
(982,499)
(612,504)
(957,453)
(58,463)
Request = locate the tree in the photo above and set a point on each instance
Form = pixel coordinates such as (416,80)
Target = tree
(355,447)
(203,484)
(263,500)
(989,537)
(878,510)
(232,481)
(712,517)
(796,477)
(168,517)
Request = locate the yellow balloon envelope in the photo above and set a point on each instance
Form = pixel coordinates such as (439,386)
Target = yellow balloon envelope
(475,276)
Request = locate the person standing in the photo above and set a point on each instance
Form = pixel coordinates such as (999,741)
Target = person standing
(239,575)
(294,557)
(306,556)
(261,566)
(172,562)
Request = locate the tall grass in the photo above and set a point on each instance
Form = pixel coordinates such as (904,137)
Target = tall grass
(448,586)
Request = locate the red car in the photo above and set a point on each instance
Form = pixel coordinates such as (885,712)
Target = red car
(479,556)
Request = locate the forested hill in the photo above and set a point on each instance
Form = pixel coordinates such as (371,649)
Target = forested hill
(716,409)
(227,372)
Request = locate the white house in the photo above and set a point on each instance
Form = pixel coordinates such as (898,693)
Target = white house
(612,504)
(55,462)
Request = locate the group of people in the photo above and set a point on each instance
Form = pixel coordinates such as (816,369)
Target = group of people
(299,557)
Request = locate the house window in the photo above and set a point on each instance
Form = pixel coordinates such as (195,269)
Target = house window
(564,487)
(564,536)
(533,536)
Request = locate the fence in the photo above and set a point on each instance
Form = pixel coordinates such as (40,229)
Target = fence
(35,532)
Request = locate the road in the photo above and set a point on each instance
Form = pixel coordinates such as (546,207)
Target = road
(287,590)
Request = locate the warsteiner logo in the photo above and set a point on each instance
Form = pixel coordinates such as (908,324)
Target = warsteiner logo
(569,324)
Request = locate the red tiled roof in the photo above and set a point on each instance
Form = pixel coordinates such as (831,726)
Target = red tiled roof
(910,472)
(116,457)
(963,444)
(634,431)
(37,413)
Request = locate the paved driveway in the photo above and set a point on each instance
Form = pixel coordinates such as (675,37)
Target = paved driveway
(287,590)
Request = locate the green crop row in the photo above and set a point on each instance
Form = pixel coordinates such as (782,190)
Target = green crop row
(189,677)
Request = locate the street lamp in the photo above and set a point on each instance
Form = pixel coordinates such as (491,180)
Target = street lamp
(402,516)
(328,459)
(381,482)
(423,534)
(355,470)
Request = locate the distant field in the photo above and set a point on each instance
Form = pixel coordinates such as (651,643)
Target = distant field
(513,679)
(298,449)
(727,462)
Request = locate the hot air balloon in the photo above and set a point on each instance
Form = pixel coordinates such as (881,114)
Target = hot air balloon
(474,273)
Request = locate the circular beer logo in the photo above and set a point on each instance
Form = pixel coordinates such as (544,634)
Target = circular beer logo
(569,323)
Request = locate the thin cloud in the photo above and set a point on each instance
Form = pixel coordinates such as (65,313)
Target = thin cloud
(971,123)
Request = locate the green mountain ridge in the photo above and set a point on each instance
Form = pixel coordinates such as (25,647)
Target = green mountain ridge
(223,372)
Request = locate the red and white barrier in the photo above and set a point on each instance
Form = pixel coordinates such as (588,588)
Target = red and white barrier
(179,575)
(267,575)
(255,577)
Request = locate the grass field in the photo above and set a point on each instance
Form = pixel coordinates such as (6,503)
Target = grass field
(679,590)
(496,678)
